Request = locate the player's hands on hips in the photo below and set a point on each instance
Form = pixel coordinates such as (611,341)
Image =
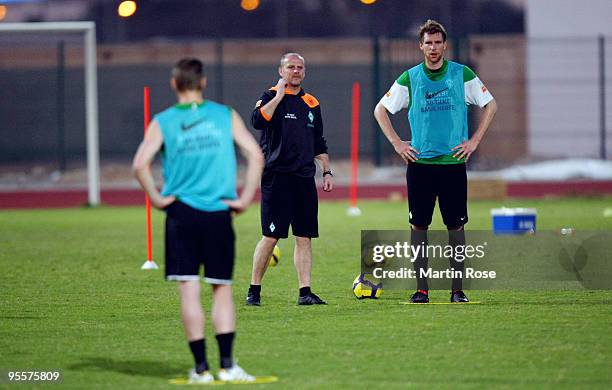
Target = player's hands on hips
(465,149)
(159,202)
(406,151)
(328,183)
(280,87)
(237,206)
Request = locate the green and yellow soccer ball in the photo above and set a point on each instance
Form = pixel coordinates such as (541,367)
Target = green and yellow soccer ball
(275,258)
(366,286)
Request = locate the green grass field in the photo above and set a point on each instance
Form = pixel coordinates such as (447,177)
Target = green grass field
(73,297)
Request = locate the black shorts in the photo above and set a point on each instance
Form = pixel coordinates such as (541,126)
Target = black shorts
(448,183)
(286,200)
(195,238)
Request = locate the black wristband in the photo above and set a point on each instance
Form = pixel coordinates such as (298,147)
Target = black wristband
(328,173)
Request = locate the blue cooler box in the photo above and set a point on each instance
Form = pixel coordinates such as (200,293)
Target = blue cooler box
(513,220)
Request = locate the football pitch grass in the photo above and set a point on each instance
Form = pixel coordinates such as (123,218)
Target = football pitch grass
(73,297)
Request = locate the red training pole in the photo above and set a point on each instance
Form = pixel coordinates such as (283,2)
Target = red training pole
(147,114)
(354,142)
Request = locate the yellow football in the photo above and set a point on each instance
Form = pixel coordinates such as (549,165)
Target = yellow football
(275,258)
(366,286)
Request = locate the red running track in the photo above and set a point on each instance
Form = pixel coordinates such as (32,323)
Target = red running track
(128,197)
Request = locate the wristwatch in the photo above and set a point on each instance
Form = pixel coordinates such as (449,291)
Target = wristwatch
(328,173)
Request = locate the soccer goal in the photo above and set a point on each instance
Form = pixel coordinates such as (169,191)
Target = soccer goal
(88,30)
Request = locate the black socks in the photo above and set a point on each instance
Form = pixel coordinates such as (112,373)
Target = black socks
(456,238)
(226,340)
(304,291)
(418,238)
(256,289)
(198,349)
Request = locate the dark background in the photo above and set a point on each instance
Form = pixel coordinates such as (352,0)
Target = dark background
(302,18)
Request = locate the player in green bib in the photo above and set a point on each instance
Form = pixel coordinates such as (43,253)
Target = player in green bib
(196,140)
(436,93)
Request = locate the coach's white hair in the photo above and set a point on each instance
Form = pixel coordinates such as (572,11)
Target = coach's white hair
(287,55)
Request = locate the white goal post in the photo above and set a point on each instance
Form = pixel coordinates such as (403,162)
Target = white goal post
(91,91)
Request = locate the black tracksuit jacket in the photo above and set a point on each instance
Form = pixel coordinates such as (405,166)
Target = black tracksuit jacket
(293,136)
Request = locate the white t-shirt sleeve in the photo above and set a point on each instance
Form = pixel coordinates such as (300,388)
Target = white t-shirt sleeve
(477,93)
(396,98)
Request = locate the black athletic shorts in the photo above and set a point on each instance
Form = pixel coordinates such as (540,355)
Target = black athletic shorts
(195,238)
(448,183)
(286,200)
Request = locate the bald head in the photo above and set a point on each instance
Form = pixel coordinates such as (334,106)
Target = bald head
(287,56)
(292,69)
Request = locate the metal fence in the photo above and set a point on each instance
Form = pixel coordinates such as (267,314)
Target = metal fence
(553,95)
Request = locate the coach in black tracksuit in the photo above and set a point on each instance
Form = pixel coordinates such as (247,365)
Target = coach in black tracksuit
(291,140)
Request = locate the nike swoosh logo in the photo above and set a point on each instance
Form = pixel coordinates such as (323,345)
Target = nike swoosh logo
(431,95)
(185,127)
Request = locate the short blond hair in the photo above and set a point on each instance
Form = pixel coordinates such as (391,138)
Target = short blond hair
(431,27)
